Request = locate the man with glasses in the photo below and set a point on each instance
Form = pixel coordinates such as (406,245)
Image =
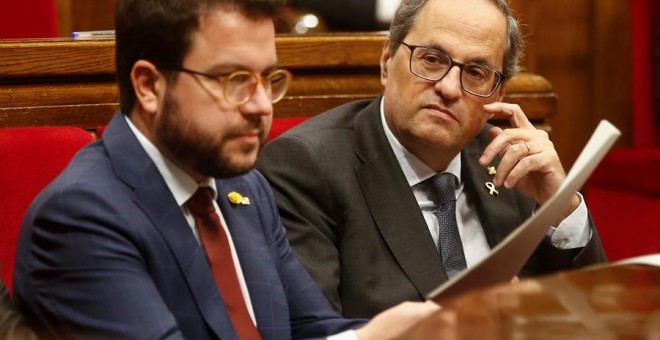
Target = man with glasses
(162,229)
(385,199)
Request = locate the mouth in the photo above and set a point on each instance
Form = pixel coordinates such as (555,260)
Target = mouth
(252,136)
(247,135)
(440,112)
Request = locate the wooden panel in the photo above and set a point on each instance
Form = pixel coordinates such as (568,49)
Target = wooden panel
(34,95)
(574,43)
(583,48)
(66,82)
(64,17)
(88,116)
(56,58)
(89,15)
(612,84)
(85,15)
(324,51)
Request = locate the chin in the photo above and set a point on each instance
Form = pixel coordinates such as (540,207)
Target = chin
(241,164)
(244,165)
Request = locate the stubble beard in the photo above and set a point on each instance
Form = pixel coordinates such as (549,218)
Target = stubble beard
(202,154)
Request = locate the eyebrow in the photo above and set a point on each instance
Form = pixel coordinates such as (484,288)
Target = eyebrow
(478,61)
(223,69)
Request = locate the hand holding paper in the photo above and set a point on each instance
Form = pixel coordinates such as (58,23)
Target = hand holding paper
(508,257)
(529,160)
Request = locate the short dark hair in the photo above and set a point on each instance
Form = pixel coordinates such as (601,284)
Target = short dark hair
(407,13)
(160,31)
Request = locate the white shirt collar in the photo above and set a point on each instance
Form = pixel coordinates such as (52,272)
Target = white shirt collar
(181,185)
(415,170)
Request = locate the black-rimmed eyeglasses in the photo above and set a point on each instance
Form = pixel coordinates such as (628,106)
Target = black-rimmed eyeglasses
(433,65)
(238,87)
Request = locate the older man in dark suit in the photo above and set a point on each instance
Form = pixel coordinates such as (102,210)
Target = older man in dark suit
(385,199)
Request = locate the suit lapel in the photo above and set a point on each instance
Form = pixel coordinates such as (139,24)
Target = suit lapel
(152,195)
(498,214)
(401,225)
(244,223)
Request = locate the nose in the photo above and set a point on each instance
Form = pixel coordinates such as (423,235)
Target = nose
(449,87)
(260,103)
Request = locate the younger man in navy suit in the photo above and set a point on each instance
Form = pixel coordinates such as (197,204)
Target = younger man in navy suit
(116,246)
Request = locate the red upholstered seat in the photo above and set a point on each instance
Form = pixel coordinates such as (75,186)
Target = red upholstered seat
(99,131)
(29,159)
(280,125)
(28,19)
(623,196)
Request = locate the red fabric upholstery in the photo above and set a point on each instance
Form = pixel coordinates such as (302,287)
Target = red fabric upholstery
(28,19)
(99,131)
(623,196)
(280,125)
(644,24)
(29,159)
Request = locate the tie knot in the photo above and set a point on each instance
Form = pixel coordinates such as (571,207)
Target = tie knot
(200,204)
(443,187)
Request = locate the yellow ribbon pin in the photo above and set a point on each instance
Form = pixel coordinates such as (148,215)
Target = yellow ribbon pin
(236,198)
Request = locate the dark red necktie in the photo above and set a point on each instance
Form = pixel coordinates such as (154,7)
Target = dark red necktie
(215,242)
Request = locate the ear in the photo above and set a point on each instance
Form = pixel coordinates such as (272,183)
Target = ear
(499,96)
(149,85)
(385,58)
(501,92)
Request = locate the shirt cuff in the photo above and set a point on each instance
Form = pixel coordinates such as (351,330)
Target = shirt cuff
(346,335)
(573,231)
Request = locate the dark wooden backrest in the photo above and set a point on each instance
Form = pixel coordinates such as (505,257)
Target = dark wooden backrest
(67,82)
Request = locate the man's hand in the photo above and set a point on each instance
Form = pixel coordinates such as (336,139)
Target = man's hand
(529,160)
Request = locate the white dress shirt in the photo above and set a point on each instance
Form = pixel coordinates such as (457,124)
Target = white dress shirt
(572,232)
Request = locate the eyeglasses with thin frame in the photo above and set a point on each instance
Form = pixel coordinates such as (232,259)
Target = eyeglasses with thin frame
(237,88)
(432,64)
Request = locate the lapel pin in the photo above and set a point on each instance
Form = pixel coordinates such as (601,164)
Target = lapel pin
(236,198)
(491,189)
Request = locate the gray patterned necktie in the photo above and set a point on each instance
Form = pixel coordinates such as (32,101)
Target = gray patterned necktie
(443,188)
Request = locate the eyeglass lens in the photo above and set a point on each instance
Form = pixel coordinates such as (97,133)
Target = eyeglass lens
(432,65)
(241,86)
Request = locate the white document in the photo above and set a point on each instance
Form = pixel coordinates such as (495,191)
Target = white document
(509,256)
(646,260)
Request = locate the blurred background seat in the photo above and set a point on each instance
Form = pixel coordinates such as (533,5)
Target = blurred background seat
(28,19)
(623,196)
(623,193)
(30,158)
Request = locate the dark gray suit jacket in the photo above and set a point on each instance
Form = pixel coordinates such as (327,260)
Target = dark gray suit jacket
(354,223)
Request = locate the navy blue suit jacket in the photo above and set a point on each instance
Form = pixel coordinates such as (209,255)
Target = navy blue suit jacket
(105,251)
